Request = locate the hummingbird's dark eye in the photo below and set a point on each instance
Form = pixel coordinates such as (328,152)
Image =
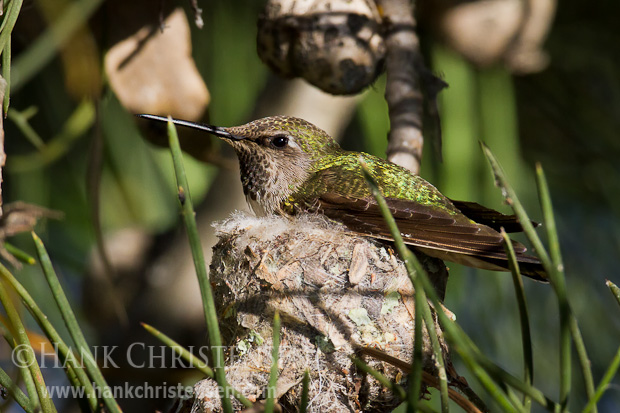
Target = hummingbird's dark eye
(279,141)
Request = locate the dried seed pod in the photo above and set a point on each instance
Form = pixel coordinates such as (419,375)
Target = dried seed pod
(336,45)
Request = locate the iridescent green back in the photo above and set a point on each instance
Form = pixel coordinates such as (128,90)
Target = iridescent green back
(341,173)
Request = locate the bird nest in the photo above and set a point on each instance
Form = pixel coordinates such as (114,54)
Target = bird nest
(336,293)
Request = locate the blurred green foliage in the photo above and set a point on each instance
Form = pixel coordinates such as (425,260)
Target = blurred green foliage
(567,117)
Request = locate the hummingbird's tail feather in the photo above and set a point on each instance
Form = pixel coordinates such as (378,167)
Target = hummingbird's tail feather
(535,272)
(530,268)
(529,265)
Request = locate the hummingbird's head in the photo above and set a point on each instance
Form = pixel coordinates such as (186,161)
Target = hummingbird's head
(276,155)
(283,137)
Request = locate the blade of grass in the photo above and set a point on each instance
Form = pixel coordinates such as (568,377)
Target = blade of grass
(29,382)
(430,327)
(514,399)
(29,359)
(388,384)
(480,371)
(526,337)
(566,314)
(415,377)
(24,371)
(472,405)
(181,351)
(552,234)
(528,228)
(501,395)
(465,347)
(553,266)
(90,402)
(451,329)
(305,390)
(494,370)
(74,328)
(553,269)
(604,384)
(413,269)
(19,254)
(558,282)
(273,375)
(21,119)
(15,392)
(412,262)
(187,211)
(8,23)
(192,359)
(614,290)
(64,352)
(45,47)
(6,75)
(584,360)
(498,394)
(75,127)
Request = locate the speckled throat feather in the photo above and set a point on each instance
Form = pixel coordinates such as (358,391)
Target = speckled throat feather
(266,184)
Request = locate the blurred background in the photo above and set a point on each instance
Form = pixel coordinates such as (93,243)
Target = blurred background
(74,146)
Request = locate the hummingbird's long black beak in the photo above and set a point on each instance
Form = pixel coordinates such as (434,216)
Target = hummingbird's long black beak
(214,130)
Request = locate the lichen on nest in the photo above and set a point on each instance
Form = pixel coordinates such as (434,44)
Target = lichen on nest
(335,291)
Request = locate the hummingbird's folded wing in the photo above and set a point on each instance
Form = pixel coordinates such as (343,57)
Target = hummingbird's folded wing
(489,217)
(420,226)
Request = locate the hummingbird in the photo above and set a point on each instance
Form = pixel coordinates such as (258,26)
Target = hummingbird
(290,166)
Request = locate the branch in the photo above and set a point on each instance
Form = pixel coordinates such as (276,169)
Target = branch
(403,93)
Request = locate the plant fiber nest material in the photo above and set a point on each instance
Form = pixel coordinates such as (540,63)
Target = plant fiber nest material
(335,291)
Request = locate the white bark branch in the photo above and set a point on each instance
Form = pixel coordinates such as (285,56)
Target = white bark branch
(403,92)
